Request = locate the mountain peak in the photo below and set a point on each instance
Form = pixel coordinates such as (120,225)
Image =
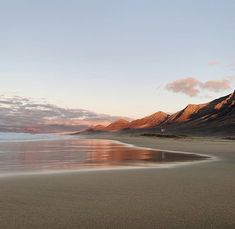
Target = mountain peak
(149,121)
(99,127)
(117,125)
(186,113)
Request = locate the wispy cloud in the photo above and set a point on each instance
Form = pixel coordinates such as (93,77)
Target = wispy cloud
(193,87)
(18,112)
(214,62)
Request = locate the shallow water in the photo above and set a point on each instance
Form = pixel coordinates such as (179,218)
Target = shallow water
(79,154)
(22,137)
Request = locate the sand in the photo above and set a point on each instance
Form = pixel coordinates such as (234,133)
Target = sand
(200,195)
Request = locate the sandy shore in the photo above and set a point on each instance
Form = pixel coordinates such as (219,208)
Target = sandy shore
(201,195)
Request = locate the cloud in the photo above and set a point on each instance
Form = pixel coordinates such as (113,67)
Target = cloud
(214,62)
(188,86)
(217,85)
(19,113)
(193,87)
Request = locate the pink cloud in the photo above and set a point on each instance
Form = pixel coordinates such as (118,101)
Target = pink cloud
(217,85)
(188,86)
(76,122)
(193,87)
(214,62)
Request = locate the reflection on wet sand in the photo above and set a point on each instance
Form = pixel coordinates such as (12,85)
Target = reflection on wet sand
(80,154)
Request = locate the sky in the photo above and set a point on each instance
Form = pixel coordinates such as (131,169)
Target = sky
(126,58)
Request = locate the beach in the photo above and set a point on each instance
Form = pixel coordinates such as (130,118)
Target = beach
(197,195)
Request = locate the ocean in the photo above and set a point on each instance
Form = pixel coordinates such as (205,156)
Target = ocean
(24,154)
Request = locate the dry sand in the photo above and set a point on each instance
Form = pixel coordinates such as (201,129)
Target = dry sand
(200,195)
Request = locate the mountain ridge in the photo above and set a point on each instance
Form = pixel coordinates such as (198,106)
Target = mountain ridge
(217,115)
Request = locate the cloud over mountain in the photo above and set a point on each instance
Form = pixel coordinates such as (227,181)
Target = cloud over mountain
(193,87)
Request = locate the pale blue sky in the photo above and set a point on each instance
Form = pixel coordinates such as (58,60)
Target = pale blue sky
(114,57)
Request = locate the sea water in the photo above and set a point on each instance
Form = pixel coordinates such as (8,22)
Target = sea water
(32,153)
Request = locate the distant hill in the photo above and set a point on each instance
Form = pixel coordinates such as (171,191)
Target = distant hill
(214,118)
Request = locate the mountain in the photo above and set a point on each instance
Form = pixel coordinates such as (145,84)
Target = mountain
(215,109)
(213,118)
(99,127)
(206,111)
(149,121)
(185,114)
(122,124)
(117,125)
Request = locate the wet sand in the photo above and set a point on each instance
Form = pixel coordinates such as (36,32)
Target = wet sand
(200,195)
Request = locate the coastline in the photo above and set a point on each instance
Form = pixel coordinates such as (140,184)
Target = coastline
(198,195)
